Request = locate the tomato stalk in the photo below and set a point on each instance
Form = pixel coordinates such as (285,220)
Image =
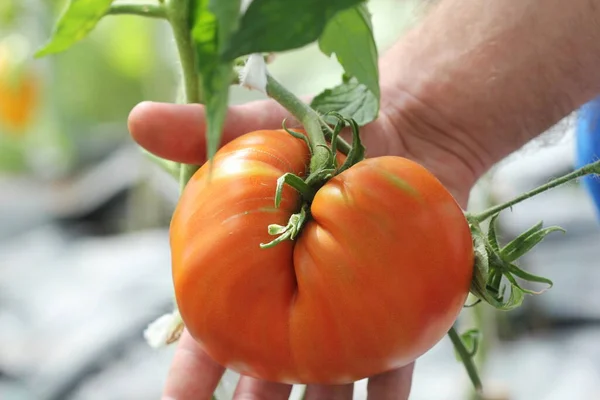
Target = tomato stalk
(466,356)
(317,129)
(323,163)
(593,168)
(309,119)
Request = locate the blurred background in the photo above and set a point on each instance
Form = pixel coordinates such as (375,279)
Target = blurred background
(84,257)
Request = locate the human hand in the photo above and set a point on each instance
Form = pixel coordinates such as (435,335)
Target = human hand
(176,132)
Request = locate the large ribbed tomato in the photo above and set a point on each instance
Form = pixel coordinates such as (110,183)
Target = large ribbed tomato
(377,276)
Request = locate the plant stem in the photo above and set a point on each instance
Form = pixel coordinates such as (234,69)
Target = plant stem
(466,358)
(341,144)
(307,116)
(171,167)
(593,168)
(178,14)
(149,9)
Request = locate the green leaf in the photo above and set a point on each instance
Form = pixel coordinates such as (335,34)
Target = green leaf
(79,18)
(227,13)
(349,35)
(214,22)
(351,99)
(526,241)
(275,25)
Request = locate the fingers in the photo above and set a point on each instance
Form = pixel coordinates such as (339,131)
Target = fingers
(177,132)
(329,392)
(193,374)
(253,389)
(394,384)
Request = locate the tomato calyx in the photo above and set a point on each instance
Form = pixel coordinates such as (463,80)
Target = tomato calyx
(289,231)
(316,179)
(495,269)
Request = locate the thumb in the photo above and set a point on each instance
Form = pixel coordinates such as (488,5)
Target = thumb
(177,131)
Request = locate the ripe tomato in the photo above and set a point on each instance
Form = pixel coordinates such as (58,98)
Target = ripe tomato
(375,279)
(19,89)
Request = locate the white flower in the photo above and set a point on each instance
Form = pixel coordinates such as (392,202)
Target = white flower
(164,330)
(254,73)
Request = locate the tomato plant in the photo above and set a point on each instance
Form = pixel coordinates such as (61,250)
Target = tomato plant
(294,258)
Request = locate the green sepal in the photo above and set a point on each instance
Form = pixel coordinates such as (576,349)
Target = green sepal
(295,182)
(493,264)
(526,241)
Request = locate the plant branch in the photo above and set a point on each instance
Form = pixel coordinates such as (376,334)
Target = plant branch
(466,357)
(143,9)
(178,15)
(593,168)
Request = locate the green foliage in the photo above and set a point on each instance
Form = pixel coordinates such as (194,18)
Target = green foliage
(79,18)
(351,99)
(214,22)
(275,25)
(349,36)
(9,11)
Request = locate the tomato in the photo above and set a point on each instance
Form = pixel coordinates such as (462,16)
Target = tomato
(376,277)
(19,89)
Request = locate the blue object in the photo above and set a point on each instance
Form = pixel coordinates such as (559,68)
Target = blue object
(587,133)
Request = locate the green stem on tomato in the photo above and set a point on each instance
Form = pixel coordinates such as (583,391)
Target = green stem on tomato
(593,168)
(466,357)
(312,122)
(309,119)
(178,12)
(143,9)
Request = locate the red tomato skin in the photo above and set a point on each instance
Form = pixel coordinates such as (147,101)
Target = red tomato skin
(376,278)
